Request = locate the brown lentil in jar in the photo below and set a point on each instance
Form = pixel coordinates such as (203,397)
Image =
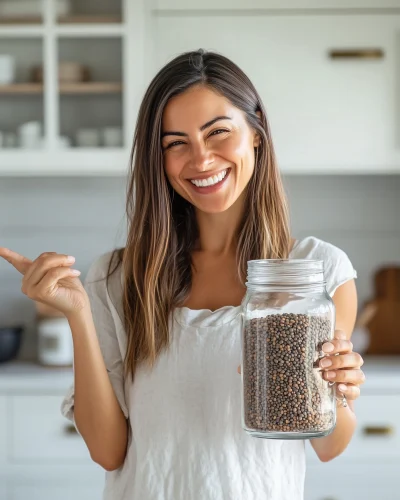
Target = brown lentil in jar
(283,388)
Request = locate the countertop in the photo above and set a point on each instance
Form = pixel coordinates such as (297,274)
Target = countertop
(19,376)
(382,372)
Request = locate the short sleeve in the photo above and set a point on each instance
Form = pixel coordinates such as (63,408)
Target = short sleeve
(104,317)
(338,268)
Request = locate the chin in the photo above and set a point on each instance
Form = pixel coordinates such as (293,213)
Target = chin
(213,207)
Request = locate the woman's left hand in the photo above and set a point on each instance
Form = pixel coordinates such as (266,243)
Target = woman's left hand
(342,365)
(344,368)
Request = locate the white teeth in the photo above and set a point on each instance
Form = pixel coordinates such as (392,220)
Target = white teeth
(210,181)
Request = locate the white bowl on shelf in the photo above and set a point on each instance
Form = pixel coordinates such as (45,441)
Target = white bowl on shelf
(87,138)
(112,137)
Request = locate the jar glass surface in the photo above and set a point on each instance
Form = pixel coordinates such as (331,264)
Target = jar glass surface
(287,316)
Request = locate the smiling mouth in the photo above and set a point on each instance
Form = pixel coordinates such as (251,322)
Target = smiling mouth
(210,181)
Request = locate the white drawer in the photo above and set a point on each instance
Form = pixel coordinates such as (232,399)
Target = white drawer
(377,435)
(39,431)
(333,481)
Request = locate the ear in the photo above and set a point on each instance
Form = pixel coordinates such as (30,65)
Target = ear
(257,138)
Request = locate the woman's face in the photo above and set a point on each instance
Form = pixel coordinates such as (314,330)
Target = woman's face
(208,149)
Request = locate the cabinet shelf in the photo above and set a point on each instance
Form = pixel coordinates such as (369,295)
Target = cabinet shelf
(21,88)
(21,20)
(65,88)
(90,19)
(65,162)
(91,88)
(70,19)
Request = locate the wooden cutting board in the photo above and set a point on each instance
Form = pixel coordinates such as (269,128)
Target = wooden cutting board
(384,326)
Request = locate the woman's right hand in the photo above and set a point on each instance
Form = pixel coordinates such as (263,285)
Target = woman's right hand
(50,280)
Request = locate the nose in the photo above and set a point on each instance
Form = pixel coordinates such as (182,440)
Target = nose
(201,158)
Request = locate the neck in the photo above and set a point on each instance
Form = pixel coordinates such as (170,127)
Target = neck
(218,232)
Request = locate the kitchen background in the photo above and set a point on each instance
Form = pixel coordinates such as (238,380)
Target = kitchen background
(84,217)
(72,75)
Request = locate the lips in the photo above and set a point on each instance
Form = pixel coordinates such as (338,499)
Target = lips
(210,181)
(208,175)
(213,187)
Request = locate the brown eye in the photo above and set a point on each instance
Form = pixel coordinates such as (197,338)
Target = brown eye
(175,143)
(219,131)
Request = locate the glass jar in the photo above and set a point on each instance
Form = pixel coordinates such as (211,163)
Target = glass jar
(287,316)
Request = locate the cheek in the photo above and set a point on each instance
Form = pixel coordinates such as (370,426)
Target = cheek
(243,157)
(172,168)
(241,150)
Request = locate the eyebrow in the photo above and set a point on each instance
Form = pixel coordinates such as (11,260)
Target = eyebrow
(203,127)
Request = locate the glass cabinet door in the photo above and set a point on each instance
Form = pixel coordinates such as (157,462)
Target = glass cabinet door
(90,92)
(21,93)
(89,11)
(21,12)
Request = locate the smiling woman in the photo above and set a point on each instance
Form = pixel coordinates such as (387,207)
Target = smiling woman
(205,196)
(156,393)
(223,146)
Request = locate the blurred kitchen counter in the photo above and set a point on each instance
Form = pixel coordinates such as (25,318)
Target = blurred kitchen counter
(19,376)
(381,372)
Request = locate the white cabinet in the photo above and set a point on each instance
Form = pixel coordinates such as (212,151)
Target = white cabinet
(84,114)
(369,467)
(327,114)
(43,463)
(377,436)
(43,414)
(275,4)
(42,457)
(341,481)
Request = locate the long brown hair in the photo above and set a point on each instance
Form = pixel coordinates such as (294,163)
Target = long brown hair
(162,227)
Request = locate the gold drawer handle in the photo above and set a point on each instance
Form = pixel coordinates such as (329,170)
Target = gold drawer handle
(378,430)
(70,429)
(356,54)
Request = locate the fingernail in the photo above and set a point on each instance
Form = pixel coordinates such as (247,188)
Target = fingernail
(75,271)
(325,363)
(328,347)
(342,387)
(70,258)
(331,375)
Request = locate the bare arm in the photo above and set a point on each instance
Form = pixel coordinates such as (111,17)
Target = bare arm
(97,413)
(348,371)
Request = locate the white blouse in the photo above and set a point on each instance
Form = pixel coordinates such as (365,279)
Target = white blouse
(186,441)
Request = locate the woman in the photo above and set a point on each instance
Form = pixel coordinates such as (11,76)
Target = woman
(156,330)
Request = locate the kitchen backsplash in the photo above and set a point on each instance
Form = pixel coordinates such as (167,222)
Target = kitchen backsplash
(84,217)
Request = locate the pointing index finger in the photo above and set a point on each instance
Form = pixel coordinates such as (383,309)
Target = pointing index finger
(20,262)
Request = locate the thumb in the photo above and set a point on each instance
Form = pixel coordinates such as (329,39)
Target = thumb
(20,262)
